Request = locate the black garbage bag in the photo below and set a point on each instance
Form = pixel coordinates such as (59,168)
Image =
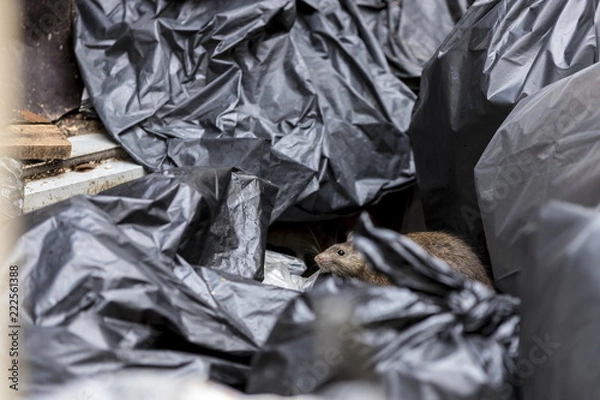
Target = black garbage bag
(410,32)
(155,273)
(547,148)
(559,339)
(298,93)
(499,53)
(433,336)
(152,385)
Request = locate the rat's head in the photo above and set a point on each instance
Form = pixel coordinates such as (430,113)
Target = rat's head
(342,259)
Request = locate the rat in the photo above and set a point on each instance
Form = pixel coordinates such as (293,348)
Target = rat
(344,260)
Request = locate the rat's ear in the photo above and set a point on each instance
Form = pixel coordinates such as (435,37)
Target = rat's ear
(350,237)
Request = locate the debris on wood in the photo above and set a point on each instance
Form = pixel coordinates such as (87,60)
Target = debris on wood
(78,124)
(35,142)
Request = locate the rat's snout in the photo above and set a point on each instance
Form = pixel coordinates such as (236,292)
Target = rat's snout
(319,259)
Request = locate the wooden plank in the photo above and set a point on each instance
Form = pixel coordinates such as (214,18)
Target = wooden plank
(88,148)
(35,142)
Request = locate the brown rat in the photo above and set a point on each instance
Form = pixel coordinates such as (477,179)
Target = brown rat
(344,260)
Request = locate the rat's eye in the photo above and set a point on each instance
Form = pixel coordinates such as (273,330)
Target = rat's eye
(341,252)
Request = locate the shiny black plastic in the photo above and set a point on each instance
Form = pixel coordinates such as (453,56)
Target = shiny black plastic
(546,149)
(499,53)
(156,273)
(559,338)
(299,93)
(409,31)
(434,336)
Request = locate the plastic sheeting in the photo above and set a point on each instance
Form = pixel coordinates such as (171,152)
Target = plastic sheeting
(155,273)
(499,53)
(409,31)
(298,93)
(559,338)
(434,336)
(546,149)
(286,272)
(152,385)
(13,189)
(158,274)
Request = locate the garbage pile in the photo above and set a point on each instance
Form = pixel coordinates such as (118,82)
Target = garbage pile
(499,53)
(164,273)
(431,335)
(547,146)
(293,92)
(251,112)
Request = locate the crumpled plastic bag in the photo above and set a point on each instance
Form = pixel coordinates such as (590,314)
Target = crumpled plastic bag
(150,385)
(546,149)
(155,273)
(499,53)
(410,32)
(286,272)
(433,336)
(559,338)
(296,92)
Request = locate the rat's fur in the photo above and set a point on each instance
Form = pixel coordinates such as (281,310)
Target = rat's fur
(344,260)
